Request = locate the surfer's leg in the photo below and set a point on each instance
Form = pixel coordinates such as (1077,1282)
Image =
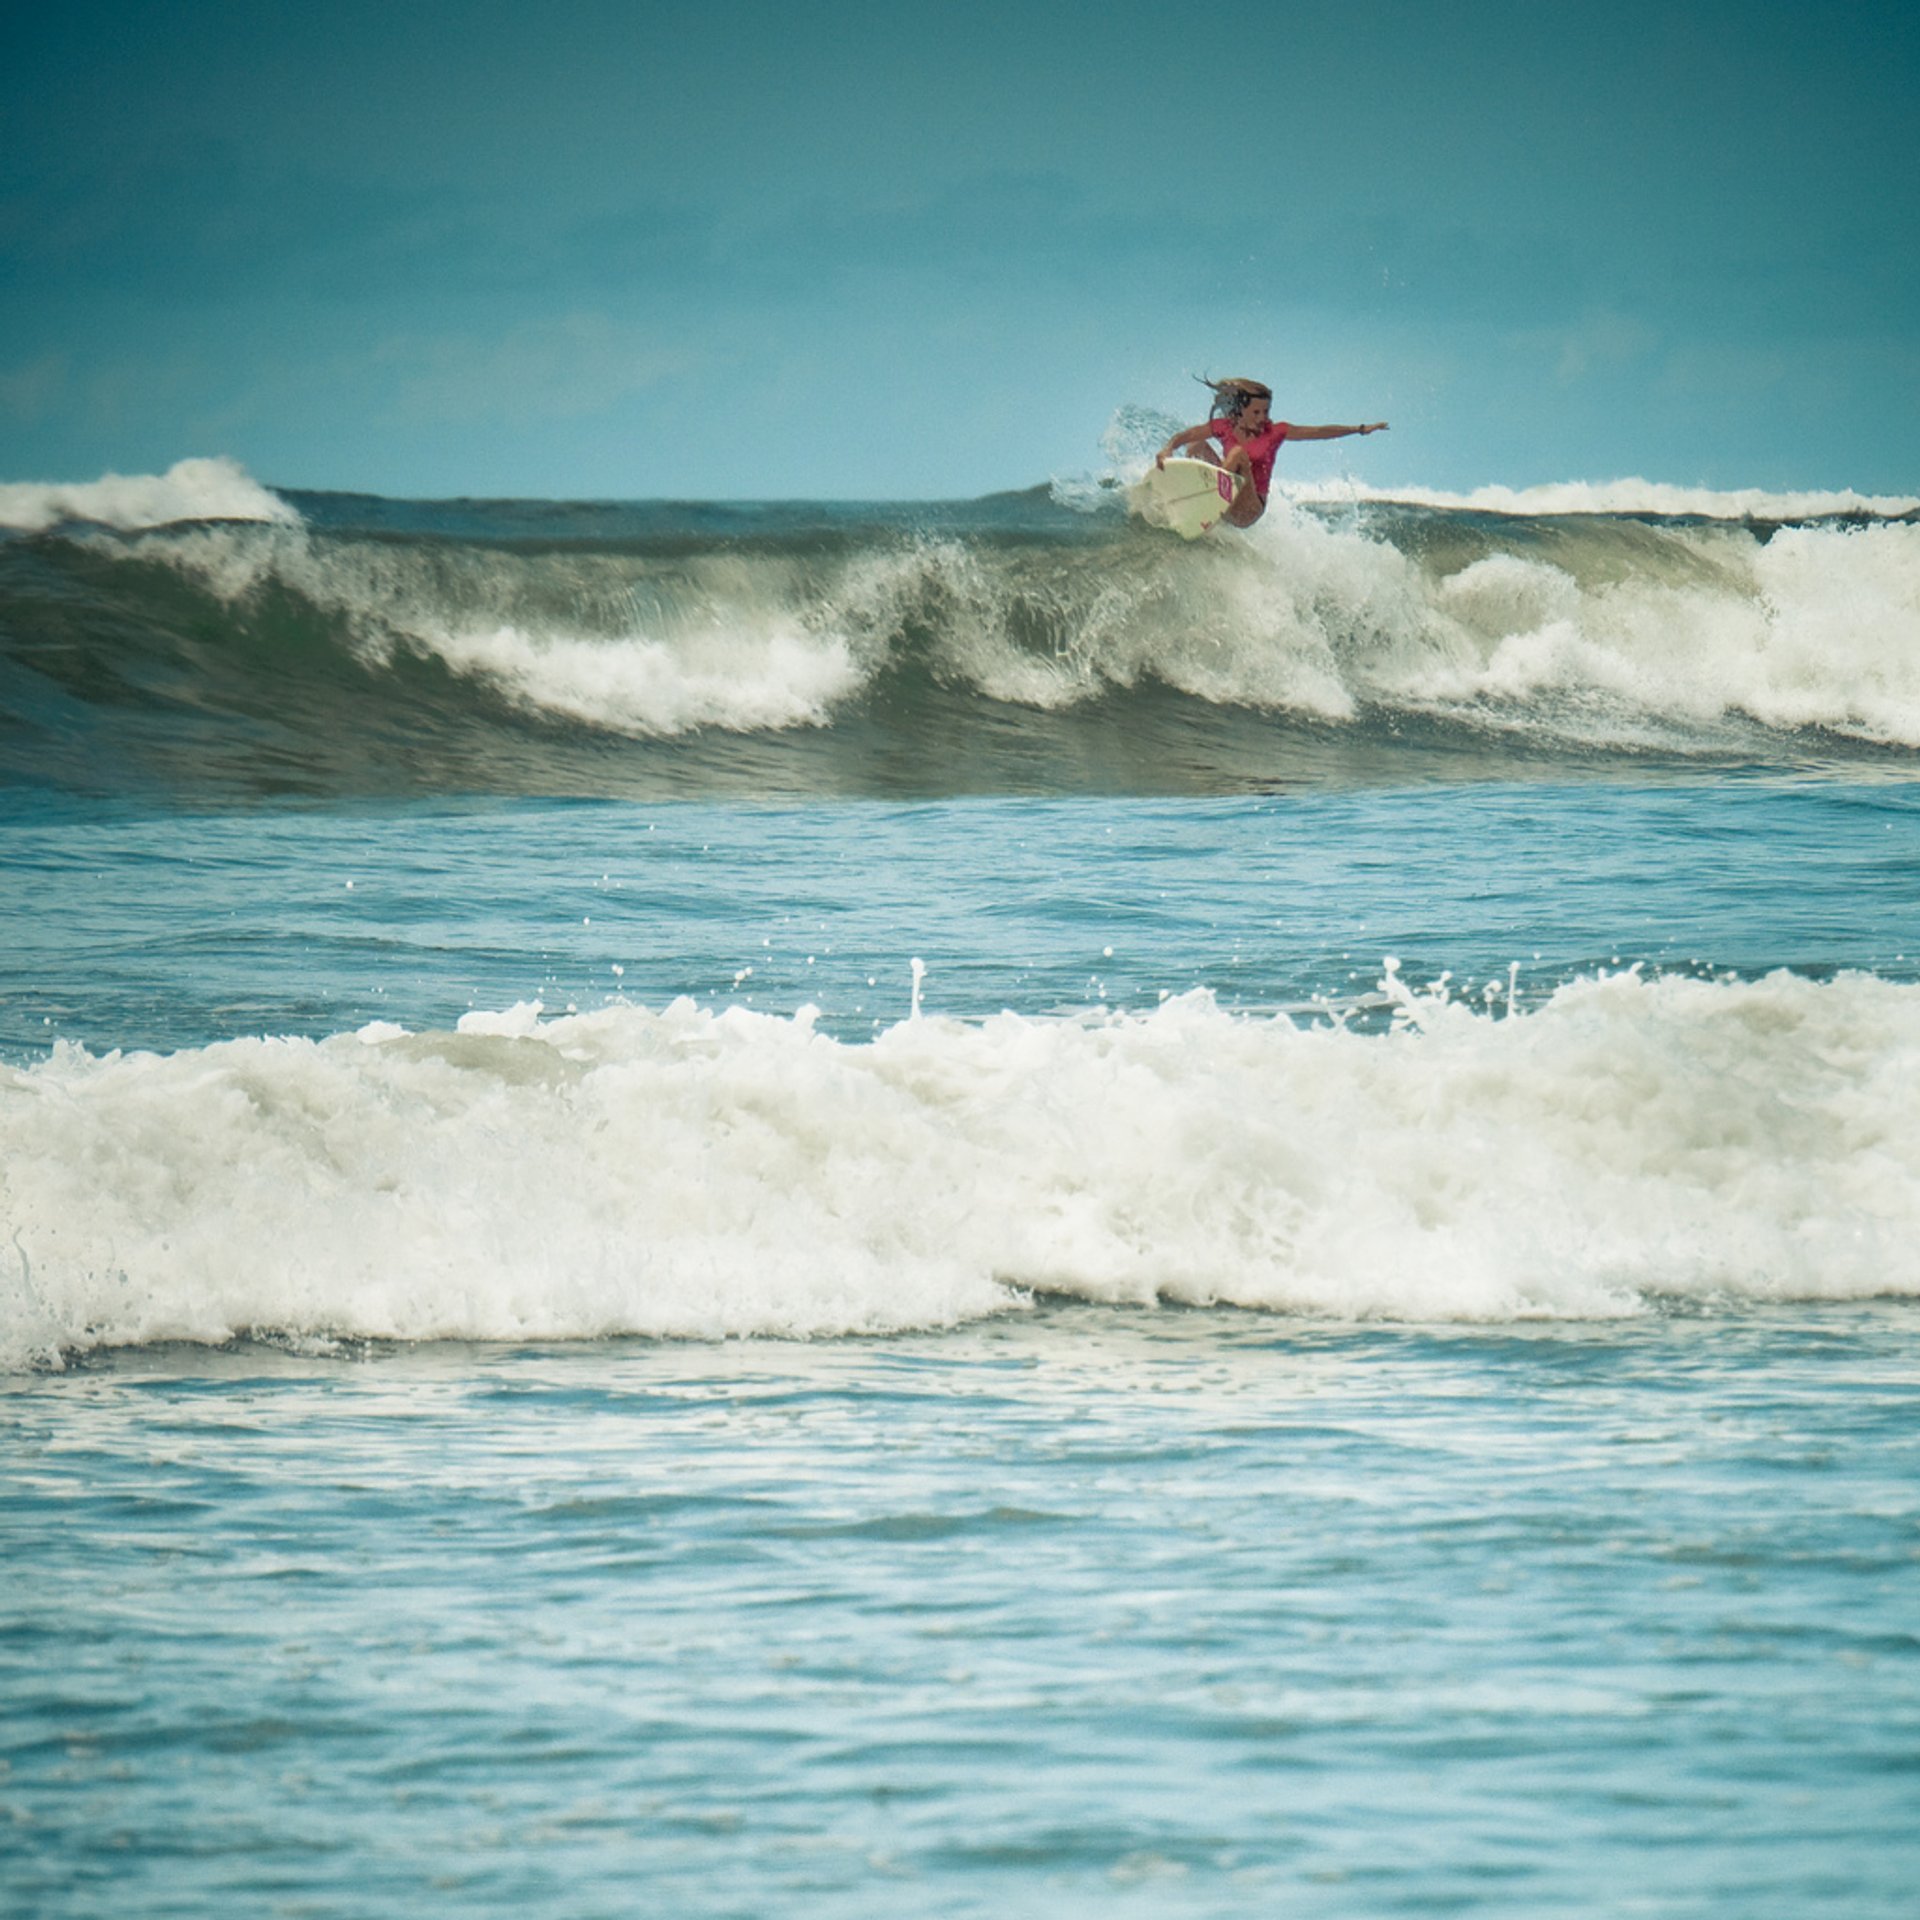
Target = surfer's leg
(1247,506)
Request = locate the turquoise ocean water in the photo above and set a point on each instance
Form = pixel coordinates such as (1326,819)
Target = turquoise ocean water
(727,1210)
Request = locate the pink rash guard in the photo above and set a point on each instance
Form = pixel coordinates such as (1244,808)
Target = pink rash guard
(1260,449)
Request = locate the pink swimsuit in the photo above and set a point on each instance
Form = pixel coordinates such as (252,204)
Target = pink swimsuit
(1260,449)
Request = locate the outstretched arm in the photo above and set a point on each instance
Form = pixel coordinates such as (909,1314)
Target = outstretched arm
(1333,433)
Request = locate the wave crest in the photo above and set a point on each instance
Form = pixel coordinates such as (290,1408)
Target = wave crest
(216,489)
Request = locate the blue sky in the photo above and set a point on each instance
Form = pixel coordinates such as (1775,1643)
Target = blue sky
(797,250)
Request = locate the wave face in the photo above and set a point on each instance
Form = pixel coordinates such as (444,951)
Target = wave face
(1033,642)
(1631,1143)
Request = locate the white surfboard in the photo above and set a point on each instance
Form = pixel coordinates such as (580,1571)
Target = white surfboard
(1186,495)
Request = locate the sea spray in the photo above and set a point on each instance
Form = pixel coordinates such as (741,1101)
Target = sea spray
(189,490)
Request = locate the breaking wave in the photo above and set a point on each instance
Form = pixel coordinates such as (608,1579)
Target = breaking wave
(1630,1144)
(1003,641)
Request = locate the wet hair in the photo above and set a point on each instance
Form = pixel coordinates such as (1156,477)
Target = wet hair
(1230,396)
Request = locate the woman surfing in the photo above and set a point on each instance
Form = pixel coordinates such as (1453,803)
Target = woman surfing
(1249,437)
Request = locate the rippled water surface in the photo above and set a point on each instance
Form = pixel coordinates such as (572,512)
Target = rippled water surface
(1073,1612)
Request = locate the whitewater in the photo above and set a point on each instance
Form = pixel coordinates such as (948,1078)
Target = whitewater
(944,1208)
(685,1173)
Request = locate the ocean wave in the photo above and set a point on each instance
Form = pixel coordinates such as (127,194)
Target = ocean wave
(688,1173)
(1582,633)
(217,489)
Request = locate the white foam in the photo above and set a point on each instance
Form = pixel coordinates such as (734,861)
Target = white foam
(1624,637)
(687,1172)
(1817,627)
(189,490)
(727,649)
(645,687)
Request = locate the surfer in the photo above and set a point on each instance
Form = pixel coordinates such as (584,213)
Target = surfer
(1249,437)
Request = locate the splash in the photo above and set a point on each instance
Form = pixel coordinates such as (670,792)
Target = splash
(217,489)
